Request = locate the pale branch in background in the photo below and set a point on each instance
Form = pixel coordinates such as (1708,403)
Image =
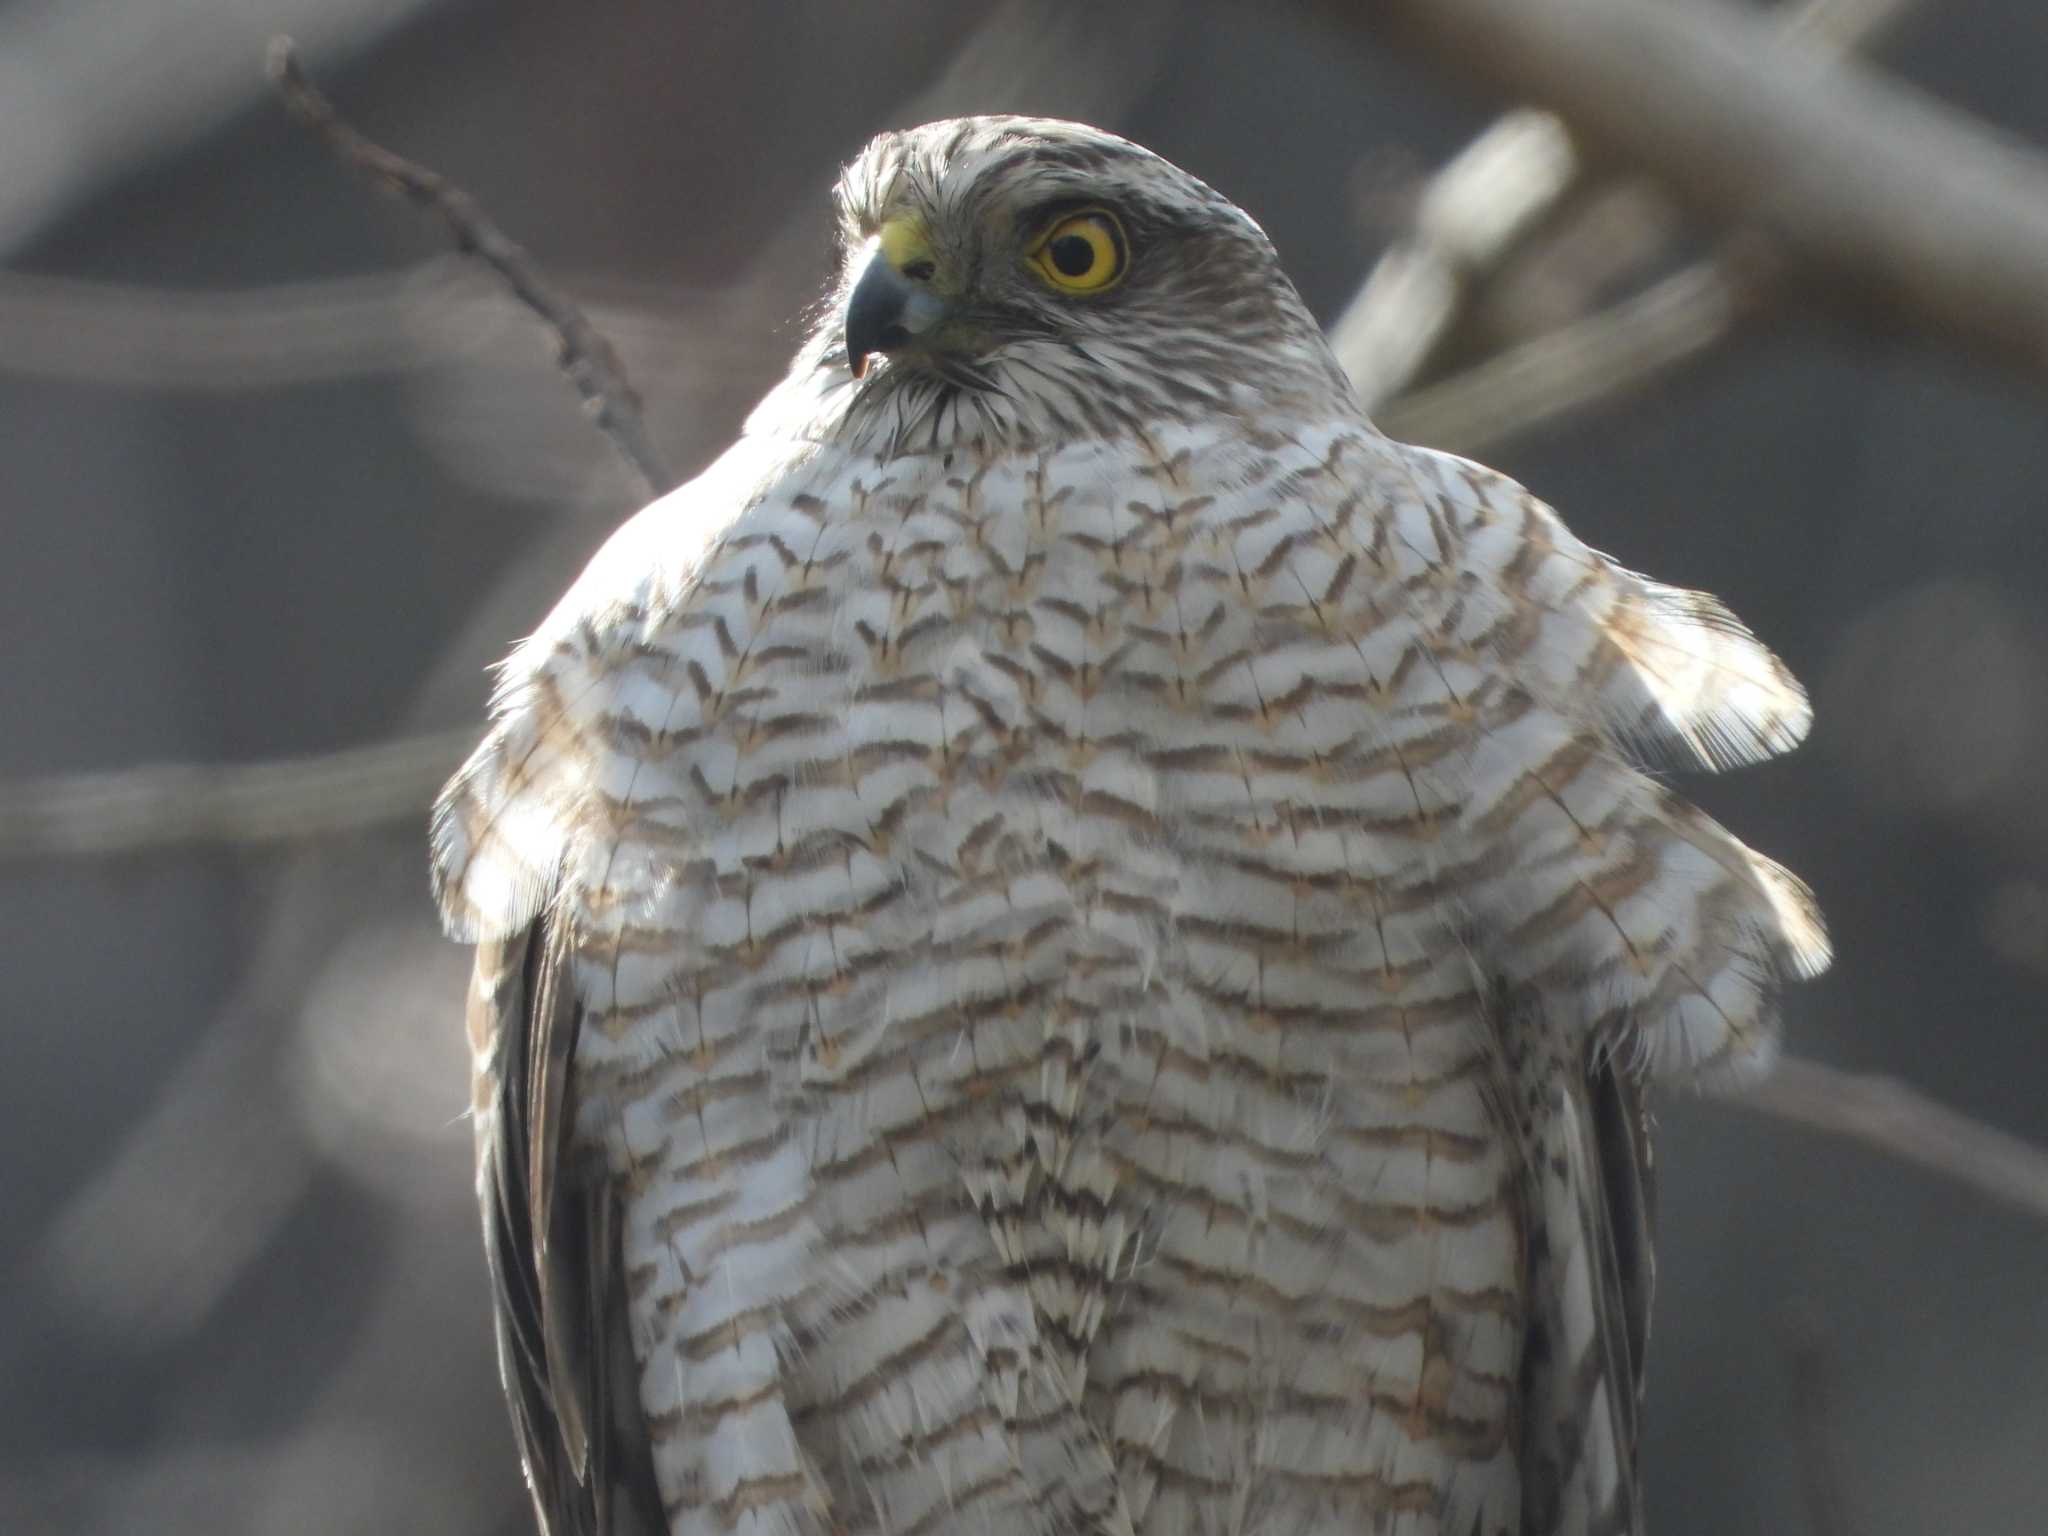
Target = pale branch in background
(1479,214)
(1903,1123)
(439,313)
(1575,366)
(167,805)
(1844,24)
(95,89)
(1472,213)
(585,356)
(1867,187)
(129,335)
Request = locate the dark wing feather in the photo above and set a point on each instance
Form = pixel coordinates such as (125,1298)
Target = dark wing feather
(1585,1156)
(551,1236)
(1621,1144)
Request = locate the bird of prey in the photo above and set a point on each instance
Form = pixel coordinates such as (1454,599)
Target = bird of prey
(1070,939)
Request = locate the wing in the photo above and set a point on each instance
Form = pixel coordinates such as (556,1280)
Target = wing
(551,1236)
(1620,1122)
(1645,942)
(1587,1188)
(530,813)
(1650,930)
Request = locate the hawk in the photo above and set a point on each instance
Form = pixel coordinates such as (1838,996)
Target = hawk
(1070,939)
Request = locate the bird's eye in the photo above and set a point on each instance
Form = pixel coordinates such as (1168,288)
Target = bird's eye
(1082,253)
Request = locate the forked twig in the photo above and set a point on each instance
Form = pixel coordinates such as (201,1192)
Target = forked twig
(584,354)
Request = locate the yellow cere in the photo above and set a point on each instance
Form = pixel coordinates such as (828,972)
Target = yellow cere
(1083,253)
(904,241)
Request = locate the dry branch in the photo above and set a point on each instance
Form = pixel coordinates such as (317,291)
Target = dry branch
(585,356)
(133,336)
(441,313)
(1844,24)
(1905,1124)
(1477,215)
(1470,216)
(1869,187)
(168,805)
(1575,366)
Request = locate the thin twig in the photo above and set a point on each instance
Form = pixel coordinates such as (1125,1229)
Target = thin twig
(438,313)
(168,805)
(1903,1123)
(97,90)
(136,336)
(585,355)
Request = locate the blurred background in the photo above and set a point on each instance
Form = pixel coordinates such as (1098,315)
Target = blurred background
(283,476)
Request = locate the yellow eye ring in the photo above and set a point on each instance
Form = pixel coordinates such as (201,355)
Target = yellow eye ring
(1083,253)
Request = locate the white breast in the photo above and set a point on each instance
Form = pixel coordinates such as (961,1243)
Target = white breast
(1038,922)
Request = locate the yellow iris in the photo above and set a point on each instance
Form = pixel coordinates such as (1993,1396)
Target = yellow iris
(1083,253)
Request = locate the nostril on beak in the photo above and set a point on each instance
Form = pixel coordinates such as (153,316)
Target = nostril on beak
(889,310)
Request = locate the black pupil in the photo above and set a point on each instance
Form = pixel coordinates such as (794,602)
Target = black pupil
(1072,254)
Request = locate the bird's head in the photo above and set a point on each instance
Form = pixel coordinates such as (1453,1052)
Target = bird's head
(1025,279)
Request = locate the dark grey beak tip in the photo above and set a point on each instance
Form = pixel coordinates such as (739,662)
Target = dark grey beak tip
(889,338)
(874,314)
(885,313)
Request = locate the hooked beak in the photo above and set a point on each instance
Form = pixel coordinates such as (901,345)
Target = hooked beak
(886,311)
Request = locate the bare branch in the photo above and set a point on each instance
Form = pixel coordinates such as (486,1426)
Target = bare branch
(585,355)
(1864,184)
(1845,24)
(136,336)
(1474,211)
(439,312)
(1578,365)
(165,805)
(1483,207)
(1903,1123)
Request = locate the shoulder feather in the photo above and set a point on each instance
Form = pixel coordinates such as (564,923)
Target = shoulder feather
(1647,925)
(1678,679)
(528,808)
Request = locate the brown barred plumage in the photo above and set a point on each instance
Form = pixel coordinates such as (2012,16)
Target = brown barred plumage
(1071,934)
